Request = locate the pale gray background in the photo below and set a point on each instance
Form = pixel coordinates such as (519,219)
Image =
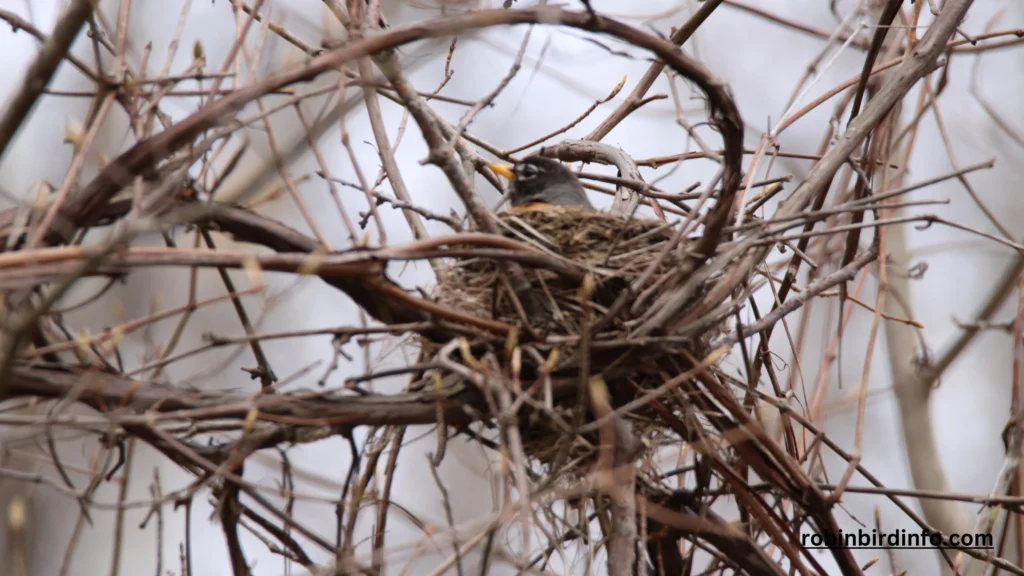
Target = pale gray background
(761,61)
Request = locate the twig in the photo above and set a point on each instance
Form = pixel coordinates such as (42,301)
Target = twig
(41,71)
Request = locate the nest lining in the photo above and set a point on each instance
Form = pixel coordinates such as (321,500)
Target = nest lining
(614,248)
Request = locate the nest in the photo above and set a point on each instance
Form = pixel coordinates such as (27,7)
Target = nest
(615,250)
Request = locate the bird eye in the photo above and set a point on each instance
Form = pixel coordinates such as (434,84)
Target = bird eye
(527,171)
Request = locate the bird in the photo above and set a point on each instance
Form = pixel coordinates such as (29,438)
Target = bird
(539,182)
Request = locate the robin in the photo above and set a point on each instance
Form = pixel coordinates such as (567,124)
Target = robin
(539,183)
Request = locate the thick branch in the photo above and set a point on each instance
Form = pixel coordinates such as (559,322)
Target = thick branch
(39,74)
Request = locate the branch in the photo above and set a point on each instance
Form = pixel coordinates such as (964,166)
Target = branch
(626,198)
(39,74)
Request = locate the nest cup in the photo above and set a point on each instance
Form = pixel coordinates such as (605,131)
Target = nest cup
(615,250)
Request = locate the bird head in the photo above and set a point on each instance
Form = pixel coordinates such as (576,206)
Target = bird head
(537,179)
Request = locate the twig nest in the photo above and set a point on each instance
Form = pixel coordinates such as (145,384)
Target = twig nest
(615,249)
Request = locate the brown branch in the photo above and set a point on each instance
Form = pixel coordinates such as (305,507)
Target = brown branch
(127,401)
(626,198)
(915,66)
(41,71)
(636,97)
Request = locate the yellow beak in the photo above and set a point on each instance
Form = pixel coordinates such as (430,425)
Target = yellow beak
(502,170)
